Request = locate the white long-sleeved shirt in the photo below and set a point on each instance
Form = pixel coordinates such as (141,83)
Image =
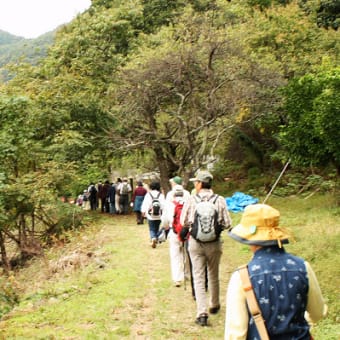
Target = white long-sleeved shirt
(147,204)
(237,318)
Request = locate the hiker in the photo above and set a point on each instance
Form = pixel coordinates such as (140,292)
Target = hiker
(111,196)
(205,247)
(99,194)
(152,207)
(103,196)
(117,184)
(124,190)
(175,200)
(92,190)
(137,200)
(285,286)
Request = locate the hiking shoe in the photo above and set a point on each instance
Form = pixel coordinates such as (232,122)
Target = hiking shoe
(202,320)
(178,283)
(153,243)
(214,310)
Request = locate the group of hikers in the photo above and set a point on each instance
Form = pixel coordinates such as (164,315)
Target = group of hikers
(275,296)
(109,197)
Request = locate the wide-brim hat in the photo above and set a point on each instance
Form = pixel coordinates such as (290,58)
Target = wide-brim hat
(259,225)
(202,176)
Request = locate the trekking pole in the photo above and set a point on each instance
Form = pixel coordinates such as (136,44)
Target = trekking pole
(184,263)
(277,181)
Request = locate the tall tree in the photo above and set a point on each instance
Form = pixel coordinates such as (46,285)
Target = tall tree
(181,93)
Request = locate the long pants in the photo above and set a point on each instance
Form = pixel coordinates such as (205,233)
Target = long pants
(124,204)
(117,204)
(179,264)
(205,255)
(154,228)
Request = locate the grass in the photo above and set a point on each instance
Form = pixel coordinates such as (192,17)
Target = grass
(123,290)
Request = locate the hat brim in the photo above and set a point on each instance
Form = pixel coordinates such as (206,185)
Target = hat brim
(193,179)
(263,243)
(259,236)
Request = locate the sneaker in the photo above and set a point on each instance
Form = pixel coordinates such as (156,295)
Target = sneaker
(153,243)
(202,320)
(178,283)
(214,310)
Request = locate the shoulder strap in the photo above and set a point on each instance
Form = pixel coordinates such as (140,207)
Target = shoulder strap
(214,197)
(252,303)
(198,198)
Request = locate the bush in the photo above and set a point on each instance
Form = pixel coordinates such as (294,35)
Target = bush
(8,295)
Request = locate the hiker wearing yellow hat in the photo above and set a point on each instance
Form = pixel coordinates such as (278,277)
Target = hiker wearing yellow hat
(279,289)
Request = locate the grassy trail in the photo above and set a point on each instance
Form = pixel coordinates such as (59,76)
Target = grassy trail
(131,297)
(118,287)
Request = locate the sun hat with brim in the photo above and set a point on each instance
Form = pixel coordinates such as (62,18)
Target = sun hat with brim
(177,180)
(202,176)
(259,226)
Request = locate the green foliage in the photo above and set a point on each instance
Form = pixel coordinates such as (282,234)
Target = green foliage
(312,134)
(9,296)
(328,14)
(15,50)
(157,13)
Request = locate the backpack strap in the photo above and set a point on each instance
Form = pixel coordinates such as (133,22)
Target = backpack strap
(214,197)
(252,302)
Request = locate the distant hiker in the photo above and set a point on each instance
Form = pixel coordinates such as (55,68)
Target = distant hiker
(99,194)
(152,207)
(285,286)
(137,201)
(92,190)
(175,200)
(112,198)
(124,190)
(103,196)
(86,202)
(204,216)
(117,184)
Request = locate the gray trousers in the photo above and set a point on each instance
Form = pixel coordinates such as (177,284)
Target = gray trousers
(202,255)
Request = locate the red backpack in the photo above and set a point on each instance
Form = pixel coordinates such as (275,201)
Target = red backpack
(176,225)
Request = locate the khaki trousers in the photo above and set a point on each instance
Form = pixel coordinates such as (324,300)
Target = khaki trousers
(202,255)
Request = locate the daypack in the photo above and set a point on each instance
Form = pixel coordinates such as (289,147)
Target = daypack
(205,227)
(155,210)
(176,225)
(125,189)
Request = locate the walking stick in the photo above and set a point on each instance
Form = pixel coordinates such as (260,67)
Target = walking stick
(184,263)
(277,181)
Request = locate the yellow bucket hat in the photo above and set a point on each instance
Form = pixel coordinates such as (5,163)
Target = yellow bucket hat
(259,225)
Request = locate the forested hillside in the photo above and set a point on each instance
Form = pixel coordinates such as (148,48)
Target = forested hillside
(169,86)
(15,50)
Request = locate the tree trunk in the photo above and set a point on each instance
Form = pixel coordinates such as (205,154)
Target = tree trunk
(5,263)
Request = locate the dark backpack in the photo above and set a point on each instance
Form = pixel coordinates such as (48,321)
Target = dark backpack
(176,225)
(93,191)
(155,210)
(205,227)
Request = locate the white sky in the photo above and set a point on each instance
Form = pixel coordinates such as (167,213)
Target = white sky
(32,18)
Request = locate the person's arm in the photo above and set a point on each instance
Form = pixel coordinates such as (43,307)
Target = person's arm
(168,215)
(316,307)
(223,213)
(237,318)
(145,204)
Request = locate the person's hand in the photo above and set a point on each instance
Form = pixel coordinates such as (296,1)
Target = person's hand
(131,204)
(183,234)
